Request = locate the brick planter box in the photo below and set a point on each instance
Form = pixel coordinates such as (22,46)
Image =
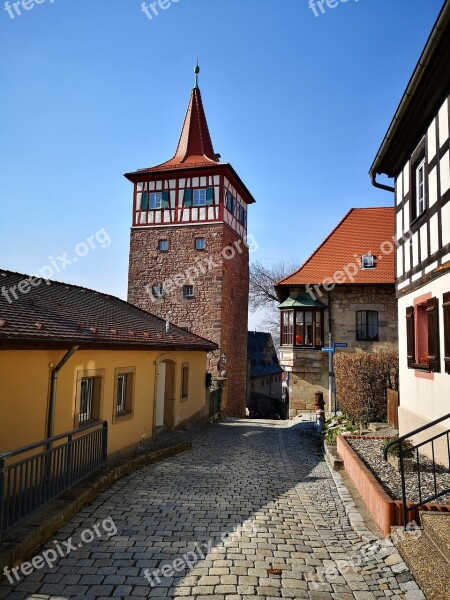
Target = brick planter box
(385,511)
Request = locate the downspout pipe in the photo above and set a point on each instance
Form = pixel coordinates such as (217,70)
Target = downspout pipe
(381,186)
(53,385)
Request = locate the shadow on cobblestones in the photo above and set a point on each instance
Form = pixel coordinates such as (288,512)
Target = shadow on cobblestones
(237,472)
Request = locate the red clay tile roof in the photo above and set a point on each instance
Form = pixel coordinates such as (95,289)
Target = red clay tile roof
(57,313)
(195,147)
(361,231)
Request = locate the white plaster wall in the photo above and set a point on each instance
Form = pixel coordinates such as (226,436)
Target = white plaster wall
(422,400)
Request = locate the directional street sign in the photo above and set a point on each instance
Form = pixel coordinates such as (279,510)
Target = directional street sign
(327,349)
(340,345)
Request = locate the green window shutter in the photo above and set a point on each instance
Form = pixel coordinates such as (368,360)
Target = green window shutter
(165,200)
(144,201)
(187,197)
(210,197)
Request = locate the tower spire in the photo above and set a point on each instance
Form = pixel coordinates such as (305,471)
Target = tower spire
(196,71)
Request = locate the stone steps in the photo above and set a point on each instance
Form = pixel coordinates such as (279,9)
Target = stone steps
(426,551)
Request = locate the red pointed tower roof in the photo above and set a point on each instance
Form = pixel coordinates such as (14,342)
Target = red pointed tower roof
(195,149)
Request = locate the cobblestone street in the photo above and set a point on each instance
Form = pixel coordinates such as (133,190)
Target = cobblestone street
(211,522)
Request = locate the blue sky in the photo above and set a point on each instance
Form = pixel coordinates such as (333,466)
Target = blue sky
(92,89)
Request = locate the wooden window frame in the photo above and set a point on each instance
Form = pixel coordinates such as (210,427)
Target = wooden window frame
(185,295)
(419,160)
(230,200)
(428,309)
(128,412)
(198,191)
(287,331)
(200,239)
(158,295)
(160,242)
(98,375)
(314,312)
(184,386)
(360,338)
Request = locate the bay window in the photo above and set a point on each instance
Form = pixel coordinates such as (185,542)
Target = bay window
(302,328)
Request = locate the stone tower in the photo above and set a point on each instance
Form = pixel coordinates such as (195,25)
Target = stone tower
(189,258)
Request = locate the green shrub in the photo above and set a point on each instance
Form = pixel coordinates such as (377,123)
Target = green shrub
(361,382)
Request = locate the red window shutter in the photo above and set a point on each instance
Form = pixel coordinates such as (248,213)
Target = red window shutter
(410,336)
(447,331)
(434,358)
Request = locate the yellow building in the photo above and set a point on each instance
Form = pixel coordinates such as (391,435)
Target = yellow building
(70,356)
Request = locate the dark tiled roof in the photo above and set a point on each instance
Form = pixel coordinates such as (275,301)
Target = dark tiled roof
(55,313)
(361,231)
(262,355)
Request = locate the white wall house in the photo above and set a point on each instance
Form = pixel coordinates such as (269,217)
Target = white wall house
(416,152)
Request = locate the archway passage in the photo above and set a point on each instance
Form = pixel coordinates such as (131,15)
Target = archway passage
(165,397)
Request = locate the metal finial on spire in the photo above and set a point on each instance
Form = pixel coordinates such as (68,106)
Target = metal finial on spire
(196,71)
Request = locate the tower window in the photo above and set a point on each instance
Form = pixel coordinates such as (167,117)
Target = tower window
(200,197)
(200,243)
(188,291)
(157,290)
(154,200)
(242,215)
(230,202)
(163,245)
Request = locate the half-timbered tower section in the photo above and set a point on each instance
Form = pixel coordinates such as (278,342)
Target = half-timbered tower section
(416,152)
(188,254)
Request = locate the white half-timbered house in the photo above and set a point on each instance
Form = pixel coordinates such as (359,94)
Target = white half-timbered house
(416,152)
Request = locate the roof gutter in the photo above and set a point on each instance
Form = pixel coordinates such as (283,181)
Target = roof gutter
(435,37)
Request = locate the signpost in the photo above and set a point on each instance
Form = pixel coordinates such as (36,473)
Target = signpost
(332,351)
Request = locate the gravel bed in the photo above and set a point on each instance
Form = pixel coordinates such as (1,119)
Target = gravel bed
(371,452)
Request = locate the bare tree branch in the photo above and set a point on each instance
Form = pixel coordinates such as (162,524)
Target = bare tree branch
(262,281)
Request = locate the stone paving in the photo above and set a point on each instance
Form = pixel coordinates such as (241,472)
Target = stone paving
(252,512)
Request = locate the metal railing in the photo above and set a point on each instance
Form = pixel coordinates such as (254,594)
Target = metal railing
(33,475)
(428,465)
(215,402)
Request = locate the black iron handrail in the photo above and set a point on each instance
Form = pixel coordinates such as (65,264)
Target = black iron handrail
(402,454)
(44,470)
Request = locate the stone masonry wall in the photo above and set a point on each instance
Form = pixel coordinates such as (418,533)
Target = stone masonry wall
(218,310)
(234,322)
(309,369)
